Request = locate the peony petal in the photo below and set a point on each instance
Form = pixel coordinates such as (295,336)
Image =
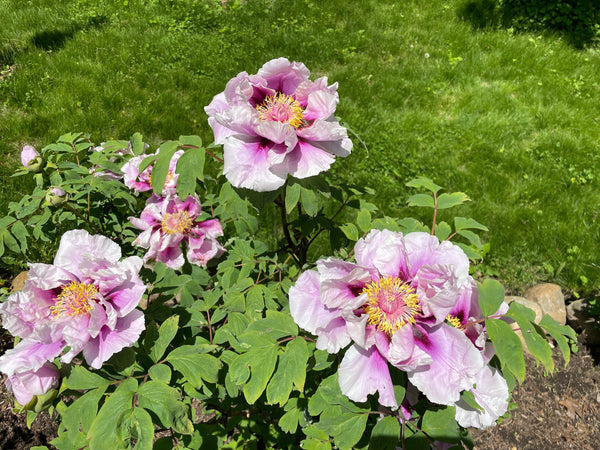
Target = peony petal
(363,372)
(384,251)
(29,355)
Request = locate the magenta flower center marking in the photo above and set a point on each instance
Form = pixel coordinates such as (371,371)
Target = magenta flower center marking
(74,300)
(177,222)
(281,108)
(391,304)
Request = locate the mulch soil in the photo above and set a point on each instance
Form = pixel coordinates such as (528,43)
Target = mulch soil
(558,411)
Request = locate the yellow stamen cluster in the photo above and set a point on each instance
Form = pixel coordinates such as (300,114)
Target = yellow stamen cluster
(454,321)
(74,300)
(391,304)
(281,108)
(177,222)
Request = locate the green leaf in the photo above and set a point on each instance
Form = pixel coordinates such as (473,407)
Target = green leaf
(441,425)
(442,231)
(137,144)
(136,425)
(423,182)
(160,372)
(560,333)
(491,296)
(103,430)
(192,141)
(446,201)
(309,201)
(190,168)
(258,364)
(79,416)
(508,347)
(161,167)
(469,398)
(535,340)
(194,365)
(10,242)
(289,421)
(472,238)
(346,428)
(292,195)
(277,325)
(164,401)
(462,223)
(291,370)
(350,230)
(363,220)
(82,379)
(166,333)
(385,434)
(424,200)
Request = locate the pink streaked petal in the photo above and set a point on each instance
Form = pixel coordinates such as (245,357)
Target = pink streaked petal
(306,160)
(283,76)
(491,393)
(333,336)
(403,352)
(321,105)
(29,355)
(241,119)
(74,244)
(127,331)
(360,333)
(420,248)
(276,132)
(456,362)
(27,384)
(247,165)
(438,290)
(384,251)
(172,257)
(363,372)
(327,135)
(48,276)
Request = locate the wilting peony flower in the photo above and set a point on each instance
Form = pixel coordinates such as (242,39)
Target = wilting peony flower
(140,182)
(31,159)
(167,222)
(85,302)
(277,123)
(25,385)
(403,303)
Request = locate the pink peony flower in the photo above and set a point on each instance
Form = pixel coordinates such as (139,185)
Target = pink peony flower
(25,385)
(404,304)
(277,123)
(140,182)
(84,302)
(31,159)
(167,222)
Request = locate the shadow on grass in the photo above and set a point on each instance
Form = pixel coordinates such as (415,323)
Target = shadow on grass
(56,39)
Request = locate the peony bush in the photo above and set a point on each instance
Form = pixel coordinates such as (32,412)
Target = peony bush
(191,297)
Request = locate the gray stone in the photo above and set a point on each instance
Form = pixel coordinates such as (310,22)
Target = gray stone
(550,299)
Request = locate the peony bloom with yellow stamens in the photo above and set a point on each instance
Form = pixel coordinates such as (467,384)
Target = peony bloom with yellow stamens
(168,222)
(403,306)
(277,123)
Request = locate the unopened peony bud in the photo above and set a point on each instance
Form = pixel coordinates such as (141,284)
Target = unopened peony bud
(56,196)
(31,159)
(28,384)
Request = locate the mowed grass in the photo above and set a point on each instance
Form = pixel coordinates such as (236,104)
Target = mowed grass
(511,119)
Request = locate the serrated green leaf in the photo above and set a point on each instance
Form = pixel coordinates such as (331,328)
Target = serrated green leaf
(385,434)
(446,201)
(160,372)
(560,333)
(164,401)
(441,425)
(350,230)
(103,430)
(462,223)
(363,220)
(309,202)
(442,231)
(166,333)
(161,166)
(291,370)
(535,340)
(423,200)
(81,379)
(194,365)
(292,195)
(508,347)
(136,425)
(491,296)
(423,182)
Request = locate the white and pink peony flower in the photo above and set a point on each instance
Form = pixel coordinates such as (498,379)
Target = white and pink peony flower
(403,303)
(25,385)
(140,182)
(277,123)
(168,222)
(84,302)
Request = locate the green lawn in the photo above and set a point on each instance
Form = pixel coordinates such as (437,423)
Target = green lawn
(511,119)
